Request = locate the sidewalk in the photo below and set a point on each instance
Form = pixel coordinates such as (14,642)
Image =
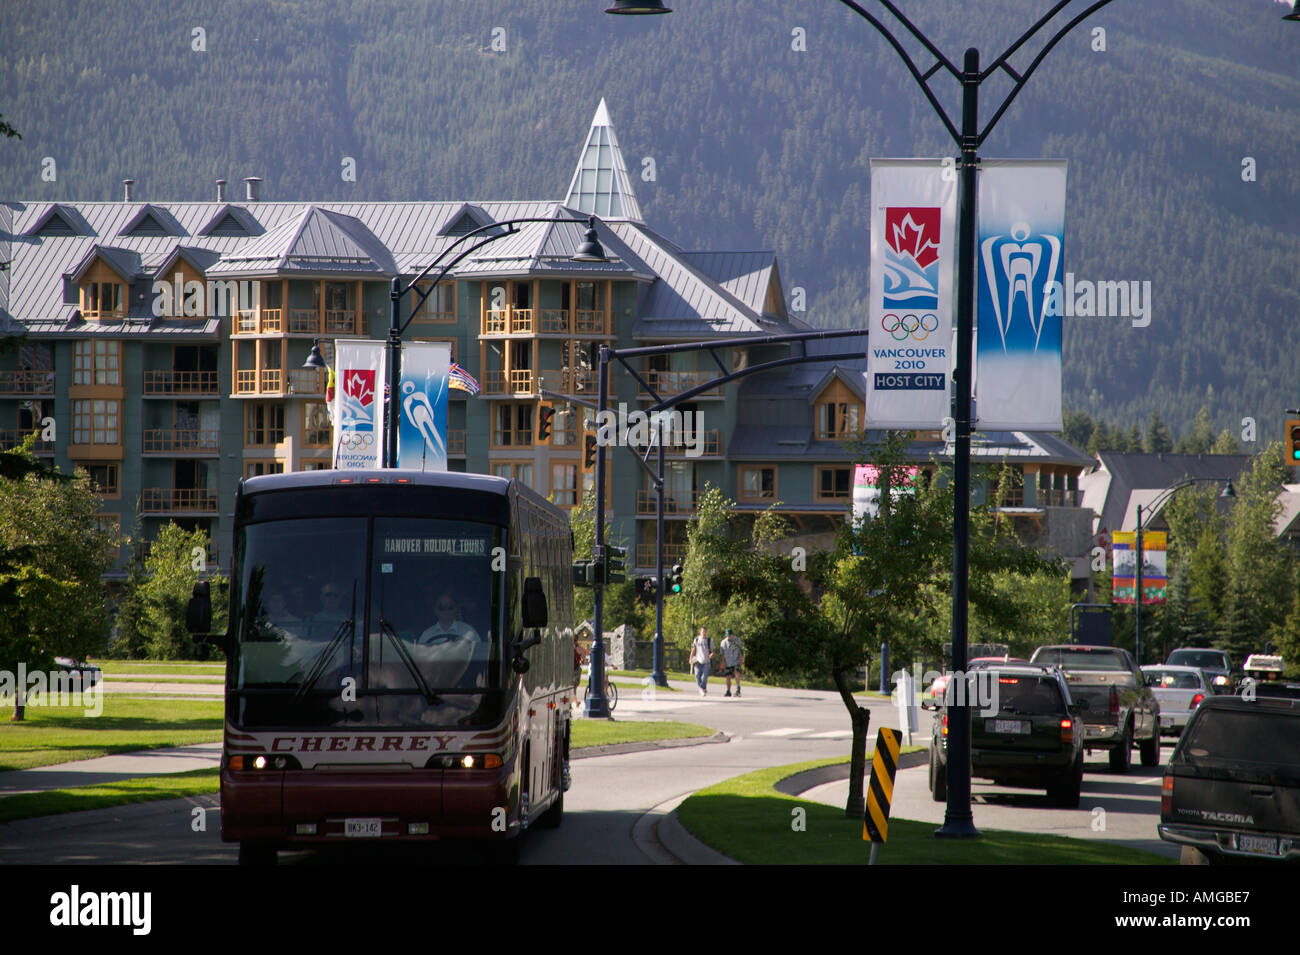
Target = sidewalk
(110,769)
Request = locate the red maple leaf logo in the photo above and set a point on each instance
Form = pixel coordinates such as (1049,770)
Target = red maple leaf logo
(359,384)
(913,231)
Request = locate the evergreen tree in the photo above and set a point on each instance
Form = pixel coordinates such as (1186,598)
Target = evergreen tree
(1159,439)
(1200,439)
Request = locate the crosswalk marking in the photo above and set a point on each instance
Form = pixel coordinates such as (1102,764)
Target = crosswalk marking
(784,731)
(832,734)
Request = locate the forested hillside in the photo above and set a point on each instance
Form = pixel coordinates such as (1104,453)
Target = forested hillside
(759,135)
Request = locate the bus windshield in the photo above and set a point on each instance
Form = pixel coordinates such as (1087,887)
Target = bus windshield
(391,621)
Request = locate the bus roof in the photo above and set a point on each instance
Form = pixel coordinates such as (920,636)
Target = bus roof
(309,479)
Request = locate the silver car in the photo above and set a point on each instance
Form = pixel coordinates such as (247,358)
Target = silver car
(1180,690)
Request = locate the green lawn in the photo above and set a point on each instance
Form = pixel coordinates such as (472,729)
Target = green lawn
(162,668)
(51,735)
(748,820)
(606,732)
(139,789)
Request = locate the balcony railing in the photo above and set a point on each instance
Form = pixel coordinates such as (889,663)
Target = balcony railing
(675,502)
(518,381)
(666,383)
(456,442)
(1057,497)
(180,383)
(163,441)
(265,381)
(683,443)
(549,321)
(673,554)
(307,382)
(13,437)
(27,382)
(170,500)
(570,381)
(297,321)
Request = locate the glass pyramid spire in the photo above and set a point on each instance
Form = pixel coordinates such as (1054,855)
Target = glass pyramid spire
(600,185)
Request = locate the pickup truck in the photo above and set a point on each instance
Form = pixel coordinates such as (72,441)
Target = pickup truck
(1119,709)
(1231,790)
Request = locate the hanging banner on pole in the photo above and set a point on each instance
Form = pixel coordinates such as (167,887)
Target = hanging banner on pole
(422,437)
(1155,576)
(913,251)
(358,414)
(1018,294)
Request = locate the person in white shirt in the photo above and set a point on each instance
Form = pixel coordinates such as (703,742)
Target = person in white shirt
(733,658)
(448,626)
(701,660)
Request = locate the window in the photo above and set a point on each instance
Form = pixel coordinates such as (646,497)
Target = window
(564,484)
(521,471)
(101,298)
(258,468)
(757,484)
(97,363)
(264,424)
(834,484)
(104,478)
(836,420)
(512,426)
(315,465)
(96,422)
(564,427)
(440,306)
(316,430)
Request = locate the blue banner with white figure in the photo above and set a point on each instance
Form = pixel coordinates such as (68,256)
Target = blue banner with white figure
(422,436)
(1018,328)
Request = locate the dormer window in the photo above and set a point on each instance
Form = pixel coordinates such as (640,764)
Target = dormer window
(103,300)
(837,420)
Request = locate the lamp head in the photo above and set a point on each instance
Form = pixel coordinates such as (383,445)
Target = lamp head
(637,7)
(1228,491)
(591,250)
(1294,15)
(315,360)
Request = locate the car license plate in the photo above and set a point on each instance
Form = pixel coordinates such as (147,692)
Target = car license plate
(363,828)
(1006,726)
(1262,845)
(1093,730)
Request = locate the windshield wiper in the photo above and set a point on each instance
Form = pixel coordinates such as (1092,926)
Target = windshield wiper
(318,665)
(387,630)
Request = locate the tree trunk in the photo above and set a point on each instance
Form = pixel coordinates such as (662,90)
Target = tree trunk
(860,718)
(20,704)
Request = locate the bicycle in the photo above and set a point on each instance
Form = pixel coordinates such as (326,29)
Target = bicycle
(611,694)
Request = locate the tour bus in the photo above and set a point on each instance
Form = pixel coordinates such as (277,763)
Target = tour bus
(399,661)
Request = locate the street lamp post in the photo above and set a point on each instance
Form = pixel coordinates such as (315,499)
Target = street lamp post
(958,821)
(1158,502)
(589,251)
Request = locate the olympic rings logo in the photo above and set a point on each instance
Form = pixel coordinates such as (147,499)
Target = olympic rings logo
(357,440)
(916,327)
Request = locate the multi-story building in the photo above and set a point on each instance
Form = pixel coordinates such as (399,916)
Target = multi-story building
(161,346)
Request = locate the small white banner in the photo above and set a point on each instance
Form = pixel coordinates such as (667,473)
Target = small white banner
(913,251)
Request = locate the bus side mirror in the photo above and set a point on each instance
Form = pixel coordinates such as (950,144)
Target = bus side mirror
(198,614)
(534,603)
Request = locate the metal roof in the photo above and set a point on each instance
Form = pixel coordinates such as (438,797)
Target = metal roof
(1125,475)
(746,275)
(316,240)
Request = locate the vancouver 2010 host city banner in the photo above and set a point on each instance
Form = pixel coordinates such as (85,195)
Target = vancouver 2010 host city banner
(913,250)
(1018,331)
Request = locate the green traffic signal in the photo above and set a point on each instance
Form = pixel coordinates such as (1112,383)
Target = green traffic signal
(675,579)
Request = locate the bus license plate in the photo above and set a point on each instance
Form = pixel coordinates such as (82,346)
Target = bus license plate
(363,828)
(1261,845)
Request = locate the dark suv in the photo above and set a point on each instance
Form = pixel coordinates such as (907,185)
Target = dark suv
(1028,733)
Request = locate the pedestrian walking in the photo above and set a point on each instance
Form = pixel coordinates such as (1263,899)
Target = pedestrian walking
(702,659)
(733,659)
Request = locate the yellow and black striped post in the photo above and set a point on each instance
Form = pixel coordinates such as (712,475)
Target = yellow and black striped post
(884,763)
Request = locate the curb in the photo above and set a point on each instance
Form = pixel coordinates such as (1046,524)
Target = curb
(800,783)
(614,749)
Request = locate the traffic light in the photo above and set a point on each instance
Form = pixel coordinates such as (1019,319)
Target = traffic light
(544,415)
(589,452)
(1293,442)
(615,564)
(584,573)
(675,579)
